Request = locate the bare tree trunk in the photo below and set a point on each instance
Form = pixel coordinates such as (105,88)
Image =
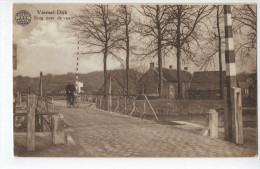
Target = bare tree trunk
(127,51)
(179,73)
(178,47)
(105,70)
(159,50)
(157,29)
(127,71)
(127,67)
(219,56)
(106,47)
(160,87)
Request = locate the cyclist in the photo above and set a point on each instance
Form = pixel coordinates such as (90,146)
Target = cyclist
(70,90)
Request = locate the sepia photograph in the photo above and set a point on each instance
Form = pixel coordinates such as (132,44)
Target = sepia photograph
(134,80)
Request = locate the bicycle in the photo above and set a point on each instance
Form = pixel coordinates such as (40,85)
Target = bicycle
(70,102)
(76,102)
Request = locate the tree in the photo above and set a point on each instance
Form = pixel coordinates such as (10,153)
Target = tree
(125,19)
(241,27)
(219,53)
(154,30)
(213,43)
(245,24)
(97,26)
(185,19)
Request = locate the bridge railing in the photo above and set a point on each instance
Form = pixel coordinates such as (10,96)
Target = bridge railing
(132,105)
(36,116)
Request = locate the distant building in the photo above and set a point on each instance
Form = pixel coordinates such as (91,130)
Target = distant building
(245,87)
(206,85)
(148,83)
(252,90)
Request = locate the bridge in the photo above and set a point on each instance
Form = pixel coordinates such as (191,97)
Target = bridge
(96,133)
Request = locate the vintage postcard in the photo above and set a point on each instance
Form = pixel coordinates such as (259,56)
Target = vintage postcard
(135,80)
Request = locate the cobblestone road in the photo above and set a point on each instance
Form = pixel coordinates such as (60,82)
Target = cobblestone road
(103,134)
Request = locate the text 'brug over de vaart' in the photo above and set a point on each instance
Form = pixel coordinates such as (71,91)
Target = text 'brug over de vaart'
(52,15)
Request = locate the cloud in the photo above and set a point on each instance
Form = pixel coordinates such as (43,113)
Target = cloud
(47,34)
(46,46)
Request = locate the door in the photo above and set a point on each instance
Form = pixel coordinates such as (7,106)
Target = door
(171,91)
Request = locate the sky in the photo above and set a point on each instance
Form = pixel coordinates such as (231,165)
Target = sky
(47,46)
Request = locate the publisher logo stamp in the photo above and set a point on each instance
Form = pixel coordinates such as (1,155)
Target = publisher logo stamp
(23,17)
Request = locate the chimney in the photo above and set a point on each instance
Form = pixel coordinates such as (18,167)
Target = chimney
(170,67)
(185,67)
(151,65)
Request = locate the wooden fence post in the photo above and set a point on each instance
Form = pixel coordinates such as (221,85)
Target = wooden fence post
(117,105)
(227,119)
(96,101)
(237,119)
(109,106)
(18,98)
(41,87)
(151,107)
(213,123)
(133,107)
(52,104)
(125,105)
(144,108)
(58,133)
(100,103)
(30,140)
(233,130)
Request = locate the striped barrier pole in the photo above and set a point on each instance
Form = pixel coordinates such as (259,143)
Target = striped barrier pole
(77,68)
(233,113)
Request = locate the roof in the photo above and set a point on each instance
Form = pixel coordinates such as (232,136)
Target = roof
(245,85)
(207,80)
(242,77)
(170,75)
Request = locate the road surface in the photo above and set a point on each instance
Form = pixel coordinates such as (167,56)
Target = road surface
(104,134)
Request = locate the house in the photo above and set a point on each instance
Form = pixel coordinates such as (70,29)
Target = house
(245,87)
(248,83)
(206,85)
(253,91)
(148,83)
